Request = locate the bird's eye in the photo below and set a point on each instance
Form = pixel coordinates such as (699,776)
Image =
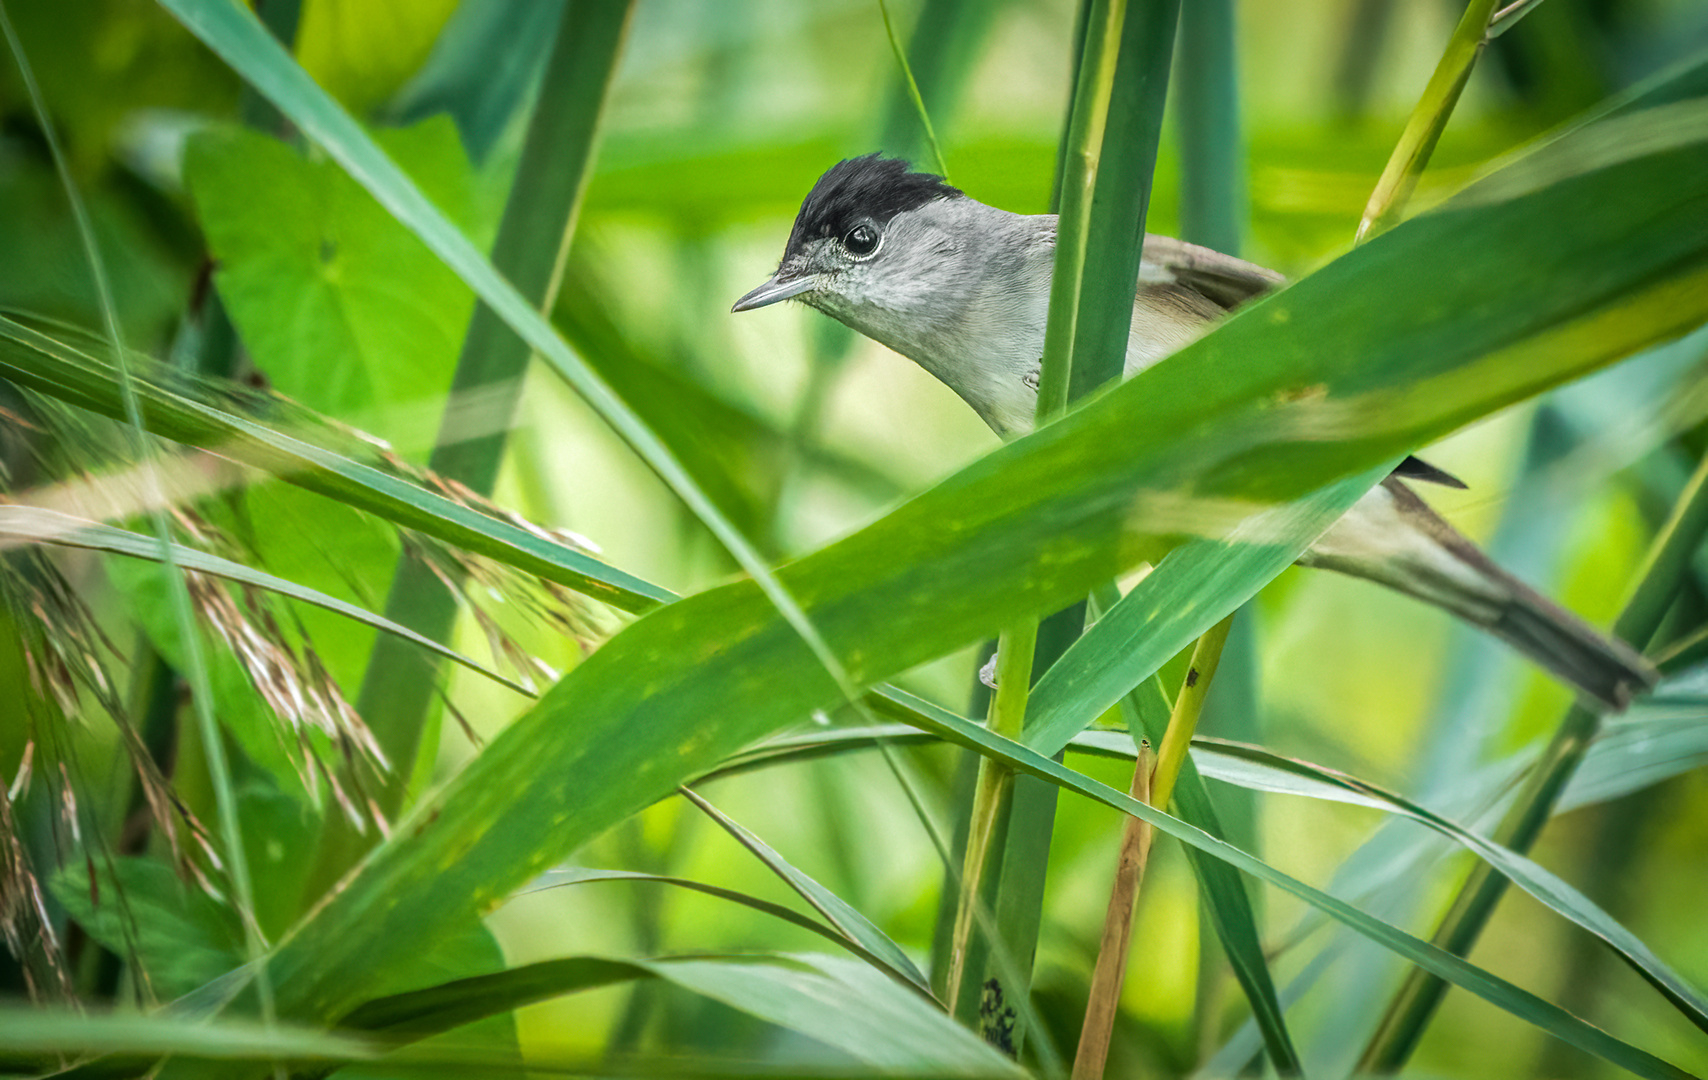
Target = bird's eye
(861,240)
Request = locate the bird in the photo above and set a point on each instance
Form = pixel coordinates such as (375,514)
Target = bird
(962,289)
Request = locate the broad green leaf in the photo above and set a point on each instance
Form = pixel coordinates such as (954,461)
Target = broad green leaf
(33,524)
(137,907)
(838,912)
(341,307)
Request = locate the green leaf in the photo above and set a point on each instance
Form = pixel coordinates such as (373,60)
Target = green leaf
(33,524)
(301,456)
(838,912)
(1443,964)
(137,907)
(363,50)
(33,1038)
(554,879)
(1194,588)
(341,307)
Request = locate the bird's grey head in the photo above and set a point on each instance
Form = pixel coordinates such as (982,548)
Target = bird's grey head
(858,239)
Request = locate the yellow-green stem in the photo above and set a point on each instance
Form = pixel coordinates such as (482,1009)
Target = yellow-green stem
(1428,121)
(1007,715)
(1183,721)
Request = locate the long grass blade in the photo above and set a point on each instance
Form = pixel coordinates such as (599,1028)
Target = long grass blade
(60,370)
(557,879)
(35,525)
(942,165)
(836,911)
(1653,593)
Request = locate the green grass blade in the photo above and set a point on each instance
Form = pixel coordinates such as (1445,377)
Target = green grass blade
(34,1038)
(840,1003)
(942,51)
(243,42)
(59,370)
(30,524)
(1655,589)
(838,912)
(1428,120)
(1115,219)
(1206,98)
(938,161)
(557,879)
(1152,622)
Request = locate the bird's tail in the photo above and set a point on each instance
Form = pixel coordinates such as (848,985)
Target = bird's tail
(1391,536)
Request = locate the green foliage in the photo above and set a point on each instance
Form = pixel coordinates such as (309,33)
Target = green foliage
(330,257)
(341,308)
(180,936)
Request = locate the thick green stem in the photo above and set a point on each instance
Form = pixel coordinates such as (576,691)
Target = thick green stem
(1104,190)
(1412,1008)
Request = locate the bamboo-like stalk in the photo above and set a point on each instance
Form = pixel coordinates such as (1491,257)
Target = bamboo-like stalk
(1428,121)
(533,241)
(1157,789)
(992,802)
(1414,1005)
(1111,970)
(1104,189)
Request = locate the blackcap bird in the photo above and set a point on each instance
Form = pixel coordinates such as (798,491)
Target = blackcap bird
(962,289)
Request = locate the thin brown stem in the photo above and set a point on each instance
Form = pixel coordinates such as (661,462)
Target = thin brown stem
(1111,970)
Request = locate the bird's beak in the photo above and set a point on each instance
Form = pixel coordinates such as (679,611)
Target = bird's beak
(780,287)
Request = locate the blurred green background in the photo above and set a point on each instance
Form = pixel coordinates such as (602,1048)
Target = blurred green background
(720,118)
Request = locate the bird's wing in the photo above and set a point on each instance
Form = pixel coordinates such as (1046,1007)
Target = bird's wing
(1223,279)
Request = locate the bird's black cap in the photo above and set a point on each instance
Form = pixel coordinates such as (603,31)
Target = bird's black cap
(872,187)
